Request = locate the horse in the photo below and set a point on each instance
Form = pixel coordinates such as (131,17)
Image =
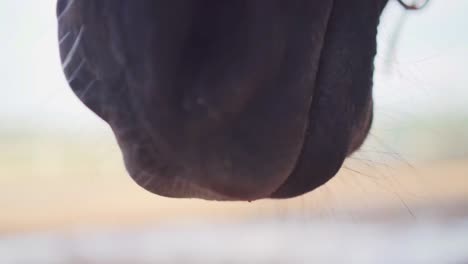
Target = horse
(226,100)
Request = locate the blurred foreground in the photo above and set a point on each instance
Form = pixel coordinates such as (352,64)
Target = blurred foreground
(67,183)
(262,241)
(70,201)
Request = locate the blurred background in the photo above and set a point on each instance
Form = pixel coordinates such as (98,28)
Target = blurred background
(403,198)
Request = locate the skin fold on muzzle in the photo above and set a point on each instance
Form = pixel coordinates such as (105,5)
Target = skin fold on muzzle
(222,99)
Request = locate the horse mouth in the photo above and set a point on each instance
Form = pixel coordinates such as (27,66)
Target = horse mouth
(235,100)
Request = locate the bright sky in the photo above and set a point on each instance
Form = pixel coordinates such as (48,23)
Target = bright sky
(428,73)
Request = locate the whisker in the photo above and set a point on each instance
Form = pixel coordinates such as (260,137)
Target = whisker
(86,89)
(65,10)
(389,153)
(404,203)
(64,37)
(147,182)
(390,190)
(73,49)
(396,155)
(369,162)
(360,173)
(76,71)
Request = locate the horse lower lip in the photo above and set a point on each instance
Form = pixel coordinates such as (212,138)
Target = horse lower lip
(263,151)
